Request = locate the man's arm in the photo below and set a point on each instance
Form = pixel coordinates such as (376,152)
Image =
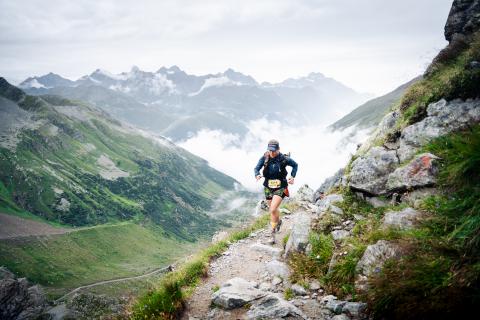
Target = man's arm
(294,165)
(259,166)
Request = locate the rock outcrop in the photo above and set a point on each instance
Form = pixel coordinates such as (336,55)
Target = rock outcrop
(404,219)
(274,307)
(372,261)
(421,172)
(464,18)
(442,117)
(334,181)
(19,300)
(369,172)
(328,203)
(298,240)
(304,194)
(236,292)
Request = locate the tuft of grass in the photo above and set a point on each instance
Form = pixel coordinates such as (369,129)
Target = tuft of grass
(314,265)
(168,300)
(288,294)
(353,205)
(215,288)
(340,280)
(285,239)
(459,177)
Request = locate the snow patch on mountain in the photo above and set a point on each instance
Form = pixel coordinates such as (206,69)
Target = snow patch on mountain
(215,82)
(32,83)
(159,83)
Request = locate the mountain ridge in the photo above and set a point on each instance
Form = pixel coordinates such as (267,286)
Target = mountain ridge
(87,168)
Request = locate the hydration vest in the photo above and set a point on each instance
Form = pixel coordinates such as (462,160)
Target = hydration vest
(282,172)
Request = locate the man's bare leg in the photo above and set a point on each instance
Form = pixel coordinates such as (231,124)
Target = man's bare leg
(273,209)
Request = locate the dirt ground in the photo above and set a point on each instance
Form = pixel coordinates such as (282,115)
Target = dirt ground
(14,227)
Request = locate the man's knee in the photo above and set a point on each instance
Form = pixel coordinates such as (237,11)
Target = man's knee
(271,209)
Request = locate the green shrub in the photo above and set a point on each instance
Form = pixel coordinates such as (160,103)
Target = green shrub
(322,248)
(314,265)
(340,280)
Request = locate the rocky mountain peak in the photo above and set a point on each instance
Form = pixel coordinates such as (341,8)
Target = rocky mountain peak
(464,18)
(239,77)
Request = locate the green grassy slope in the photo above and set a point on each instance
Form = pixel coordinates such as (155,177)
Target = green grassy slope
(371,112)
(60,167)
(91,254)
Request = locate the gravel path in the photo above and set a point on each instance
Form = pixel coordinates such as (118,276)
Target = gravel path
(245,259)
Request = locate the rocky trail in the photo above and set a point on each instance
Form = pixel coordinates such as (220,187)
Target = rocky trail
(250,279)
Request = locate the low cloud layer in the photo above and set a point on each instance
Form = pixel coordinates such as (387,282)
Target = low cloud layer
(318,151)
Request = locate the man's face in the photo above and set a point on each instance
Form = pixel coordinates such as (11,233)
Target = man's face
(273,154)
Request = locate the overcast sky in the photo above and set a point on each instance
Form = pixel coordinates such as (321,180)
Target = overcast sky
(370,45)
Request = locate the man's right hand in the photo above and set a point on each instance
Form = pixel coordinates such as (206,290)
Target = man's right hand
(258,177)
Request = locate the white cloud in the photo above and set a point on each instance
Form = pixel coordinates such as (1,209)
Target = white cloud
(318,152)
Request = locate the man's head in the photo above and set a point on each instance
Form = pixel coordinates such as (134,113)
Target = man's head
(273,146)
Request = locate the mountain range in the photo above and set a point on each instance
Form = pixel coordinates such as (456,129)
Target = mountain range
(178,105)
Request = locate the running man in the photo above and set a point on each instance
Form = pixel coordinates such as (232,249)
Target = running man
(276,183)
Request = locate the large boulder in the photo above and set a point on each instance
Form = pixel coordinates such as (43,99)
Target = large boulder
(347,309)
(329,183)
(404,219)
(464,18)
(372,261)
(369,172)
(415,198)
(18,300)
(419,173)
(327,203)
(442,117)
(386,125)
(341,234)
(278,268)
(298,240)
(274,307)
(304,193)
(235,293)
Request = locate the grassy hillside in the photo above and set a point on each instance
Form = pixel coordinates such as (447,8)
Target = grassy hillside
(371,112)
(91,254)
(70,163)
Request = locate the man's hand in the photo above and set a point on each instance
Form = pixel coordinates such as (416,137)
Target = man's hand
(258,177)
(291,180)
